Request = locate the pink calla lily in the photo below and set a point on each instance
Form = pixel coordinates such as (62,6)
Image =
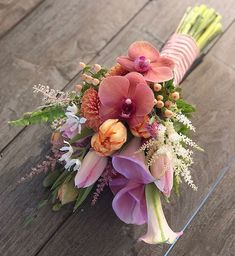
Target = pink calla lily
(145,59)
(158,228)
(92,167)
(162,170)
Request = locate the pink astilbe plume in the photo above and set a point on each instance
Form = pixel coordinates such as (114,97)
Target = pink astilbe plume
(104,181)
(48,164)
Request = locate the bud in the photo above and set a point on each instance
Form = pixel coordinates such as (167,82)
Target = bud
(97,67)
(168,104)
(168,113)
(95,81)
(82,65)
(157,87)
(160,104)
(67,192)
(175,95)
(78,87)
(159,97)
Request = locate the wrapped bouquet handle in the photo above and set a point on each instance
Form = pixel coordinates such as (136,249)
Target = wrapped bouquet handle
(127,128)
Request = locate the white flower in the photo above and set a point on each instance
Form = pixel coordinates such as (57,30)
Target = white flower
(66,157)
(184,120)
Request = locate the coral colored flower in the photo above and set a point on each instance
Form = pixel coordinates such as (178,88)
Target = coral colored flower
(158,228)
(145,58)
(116,70)
(128,98)
(111,136)
(141,129)
(162,170)
(90,108)
(92,167)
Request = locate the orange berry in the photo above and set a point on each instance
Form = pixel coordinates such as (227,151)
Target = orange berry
(82,65)
(168,113)
(78,87)
(160,104)
(159,97)
(157,87)
(97,67)
(175,95)
(168,104)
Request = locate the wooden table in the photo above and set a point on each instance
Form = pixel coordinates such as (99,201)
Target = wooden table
(43,41)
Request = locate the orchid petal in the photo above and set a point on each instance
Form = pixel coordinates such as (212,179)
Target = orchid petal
(163,62)
(126,63)
(158,74)
(92,167)
(130,163)
(129,204)
(158,229)
(113,90)
(143,48)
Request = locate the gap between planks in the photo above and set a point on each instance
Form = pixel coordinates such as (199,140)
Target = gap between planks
(218,181)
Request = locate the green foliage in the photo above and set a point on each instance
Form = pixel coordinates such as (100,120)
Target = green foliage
(45,114)
(176,185)
(82,195)
(84,133)
(181,128)
(185,107)
(51,178)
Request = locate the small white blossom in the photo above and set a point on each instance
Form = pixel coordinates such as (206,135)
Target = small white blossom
(66,157)
(184,120)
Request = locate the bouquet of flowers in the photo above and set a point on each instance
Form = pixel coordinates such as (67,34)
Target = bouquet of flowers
(127,128)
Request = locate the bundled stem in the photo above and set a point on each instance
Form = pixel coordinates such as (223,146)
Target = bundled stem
(201,23)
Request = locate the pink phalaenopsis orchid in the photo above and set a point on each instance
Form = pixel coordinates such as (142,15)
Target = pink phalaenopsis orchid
(146,59)
(128,98)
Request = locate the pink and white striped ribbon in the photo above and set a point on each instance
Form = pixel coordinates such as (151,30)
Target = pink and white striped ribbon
(183,50)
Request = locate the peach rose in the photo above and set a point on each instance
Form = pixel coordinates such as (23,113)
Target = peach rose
(111,136)
(141,129)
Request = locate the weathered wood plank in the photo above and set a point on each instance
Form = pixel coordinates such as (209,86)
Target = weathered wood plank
(17,160)
(47,47)
(225,48)
(212,231)
(215,134)
(24,241)
(13,11)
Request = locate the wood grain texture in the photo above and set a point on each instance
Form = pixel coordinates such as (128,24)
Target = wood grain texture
(212,232)
(47,48)
(214,133)
(225,48)
(98,229)
(13,11)
(215,136)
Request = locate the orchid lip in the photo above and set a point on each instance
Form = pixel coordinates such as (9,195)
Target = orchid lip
(142,64)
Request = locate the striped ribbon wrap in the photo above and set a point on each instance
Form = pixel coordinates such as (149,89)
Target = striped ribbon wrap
(183,50)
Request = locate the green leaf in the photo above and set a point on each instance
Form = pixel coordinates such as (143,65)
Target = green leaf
(84,133)
(51,178)
(176,185)
(60,179)
(82,195)
(56,207)
(185,107)
(45,114)
(181,128)
(42,204)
